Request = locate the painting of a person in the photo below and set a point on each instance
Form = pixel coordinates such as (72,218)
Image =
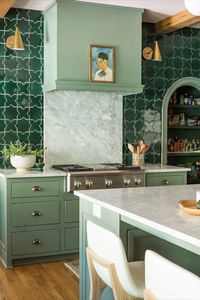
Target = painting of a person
(102,64)
(104,73)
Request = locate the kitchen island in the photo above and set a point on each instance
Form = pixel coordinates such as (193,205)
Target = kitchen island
(145,218)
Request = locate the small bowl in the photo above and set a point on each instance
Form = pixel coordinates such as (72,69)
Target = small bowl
(39,166)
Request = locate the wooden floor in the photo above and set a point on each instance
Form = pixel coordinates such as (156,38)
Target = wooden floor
(47,281)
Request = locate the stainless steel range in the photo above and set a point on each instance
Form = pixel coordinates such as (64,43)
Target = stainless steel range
(102,176)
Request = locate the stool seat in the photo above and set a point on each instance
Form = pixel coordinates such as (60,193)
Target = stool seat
(164,280)
(138,275)
(108,266)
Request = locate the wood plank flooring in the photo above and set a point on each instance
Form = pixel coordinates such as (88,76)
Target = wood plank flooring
(46,281)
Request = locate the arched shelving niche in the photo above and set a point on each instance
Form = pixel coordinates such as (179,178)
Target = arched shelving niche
(191,82)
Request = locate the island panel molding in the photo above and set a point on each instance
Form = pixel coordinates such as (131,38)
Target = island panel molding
(66,61)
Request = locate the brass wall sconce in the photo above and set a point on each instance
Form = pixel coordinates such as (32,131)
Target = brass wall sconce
(14,42)
(149,54)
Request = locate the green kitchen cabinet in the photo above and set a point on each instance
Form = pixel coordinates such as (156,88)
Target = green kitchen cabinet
(38,220)
(165,178)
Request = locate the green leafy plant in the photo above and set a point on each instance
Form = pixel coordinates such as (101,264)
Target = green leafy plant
(20,149)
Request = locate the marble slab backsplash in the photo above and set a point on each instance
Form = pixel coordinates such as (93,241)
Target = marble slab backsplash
(82,127)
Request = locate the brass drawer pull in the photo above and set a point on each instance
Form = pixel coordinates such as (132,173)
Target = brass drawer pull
(36,242)
(36,188)
(165,182)
(36,213)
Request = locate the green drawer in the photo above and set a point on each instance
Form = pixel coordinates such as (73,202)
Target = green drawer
(23,242)
(168,178)
(35,188)
(36,213)
(71,236)
(71,211)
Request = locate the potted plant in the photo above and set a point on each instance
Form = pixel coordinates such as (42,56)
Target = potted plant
(22,157)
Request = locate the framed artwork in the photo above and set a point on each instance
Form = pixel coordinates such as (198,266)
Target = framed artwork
(101,64)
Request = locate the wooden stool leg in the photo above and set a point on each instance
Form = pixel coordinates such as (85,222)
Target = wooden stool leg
(97,285)
(148,295)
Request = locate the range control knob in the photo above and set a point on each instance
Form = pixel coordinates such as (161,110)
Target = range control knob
(108,182)
(138,181)
(77,184)
(89,183)
(127,181)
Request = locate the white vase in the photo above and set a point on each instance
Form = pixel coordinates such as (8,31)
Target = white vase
(23,163)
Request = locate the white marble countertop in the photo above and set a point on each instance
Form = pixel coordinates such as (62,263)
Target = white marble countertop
(155,207)
(11,173)
(49,172)
(151,168)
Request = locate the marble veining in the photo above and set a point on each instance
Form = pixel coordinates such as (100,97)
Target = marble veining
(82,127)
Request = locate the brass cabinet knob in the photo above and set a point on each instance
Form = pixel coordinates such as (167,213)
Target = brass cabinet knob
(164,182)
(36,242)
(36,188)
(36,213)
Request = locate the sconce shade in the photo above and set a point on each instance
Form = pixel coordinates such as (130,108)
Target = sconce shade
(14,42)
(193,6)
(156,53)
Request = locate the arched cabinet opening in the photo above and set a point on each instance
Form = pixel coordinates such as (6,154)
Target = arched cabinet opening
(181,126)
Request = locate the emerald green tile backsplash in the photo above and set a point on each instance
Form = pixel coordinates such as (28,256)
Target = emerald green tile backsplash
(21,79)
(142,113)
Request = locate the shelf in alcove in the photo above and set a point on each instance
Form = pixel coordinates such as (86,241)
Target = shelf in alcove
(184,127)
(184,106)
(183,153)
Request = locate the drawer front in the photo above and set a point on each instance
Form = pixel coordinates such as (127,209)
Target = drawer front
(35,242)
(71,211)
(37,213)
(161,179)
(71,239)
(35,188)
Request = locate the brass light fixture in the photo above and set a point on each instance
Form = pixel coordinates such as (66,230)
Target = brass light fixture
(14,42)
(149,54)
(156,53)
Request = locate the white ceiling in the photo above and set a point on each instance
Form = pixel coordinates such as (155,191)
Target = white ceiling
(155,10)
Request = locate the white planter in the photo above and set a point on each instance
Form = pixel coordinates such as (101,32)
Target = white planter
(23,163)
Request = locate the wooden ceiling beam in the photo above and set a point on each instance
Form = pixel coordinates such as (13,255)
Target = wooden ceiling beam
(177,21)
(5,5)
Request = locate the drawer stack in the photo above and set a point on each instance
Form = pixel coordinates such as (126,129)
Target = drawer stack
(40,220)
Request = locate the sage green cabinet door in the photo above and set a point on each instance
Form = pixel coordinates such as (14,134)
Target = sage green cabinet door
(35,188)
(71,239)
(168,178)
(35,213)
(35,242)
(71,211)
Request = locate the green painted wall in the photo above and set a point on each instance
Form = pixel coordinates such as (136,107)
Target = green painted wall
(76,26)
(142,113)
(21,78)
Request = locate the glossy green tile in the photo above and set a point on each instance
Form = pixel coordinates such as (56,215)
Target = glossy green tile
(181,58)
(18,70)
(23,101)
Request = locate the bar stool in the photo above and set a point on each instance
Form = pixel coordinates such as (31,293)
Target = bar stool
(165,280)
(108,266)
